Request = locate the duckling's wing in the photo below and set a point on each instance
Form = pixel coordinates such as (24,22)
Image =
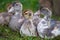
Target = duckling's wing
(27,29)
(56,31)
(21,21)
(3,16)
(15,23)
(53,22)
(24,28)
(36,20)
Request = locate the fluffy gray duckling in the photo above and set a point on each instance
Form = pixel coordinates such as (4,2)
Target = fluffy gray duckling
(46,25)
(5,16)
(28,28)
(17,19)
(56,30)
(36,18)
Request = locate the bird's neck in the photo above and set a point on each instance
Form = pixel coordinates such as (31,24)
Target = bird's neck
(18,13)
(31,21)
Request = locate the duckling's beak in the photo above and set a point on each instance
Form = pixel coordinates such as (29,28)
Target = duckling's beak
(11,10)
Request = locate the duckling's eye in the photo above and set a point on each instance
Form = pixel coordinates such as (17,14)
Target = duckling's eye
(16,4)
(29,14)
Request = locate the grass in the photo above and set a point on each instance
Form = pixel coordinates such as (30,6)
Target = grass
(7,34)
(27,4)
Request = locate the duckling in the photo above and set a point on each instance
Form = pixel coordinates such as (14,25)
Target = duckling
(36,18)
(17,19)
(56,30)
(46,25)
(28,28)
(5,16)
